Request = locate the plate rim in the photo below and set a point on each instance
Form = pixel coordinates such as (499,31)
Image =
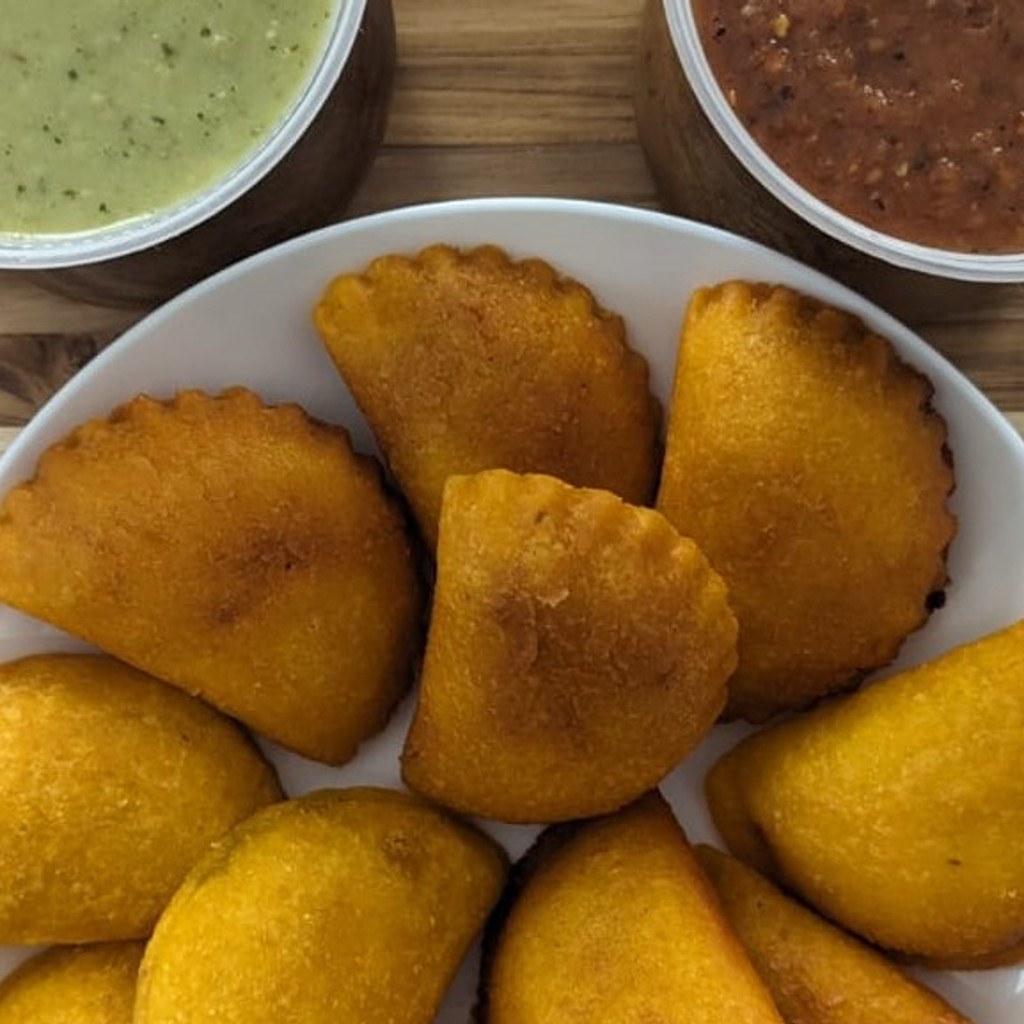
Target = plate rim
(923,354)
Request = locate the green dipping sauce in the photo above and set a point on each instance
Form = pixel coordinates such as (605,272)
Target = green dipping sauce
(112,109)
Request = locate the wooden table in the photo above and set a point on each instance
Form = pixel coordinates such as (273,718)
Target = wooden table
(492,98)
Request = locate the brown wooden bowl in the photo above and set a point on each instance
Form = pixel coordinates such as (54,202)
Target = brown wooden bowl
(310,187)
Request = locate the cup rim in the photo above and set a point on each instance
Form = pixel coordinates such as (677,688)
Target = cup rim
(124,238)
(984,267)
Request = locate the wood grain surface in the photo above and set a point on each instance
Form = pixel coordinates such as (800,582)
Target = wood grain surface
(491,98)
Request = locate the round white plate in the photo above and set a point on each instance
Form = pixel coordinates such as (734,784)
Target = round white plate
(251,325)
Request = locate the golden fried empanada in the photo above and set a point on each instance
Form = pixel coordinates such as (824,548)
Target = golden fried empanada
(578,650)
(898,811)
(817,974)
(340,907)
(464,361)
(74,985)
(613,920)
(804,458)
(240,551)
(112,786)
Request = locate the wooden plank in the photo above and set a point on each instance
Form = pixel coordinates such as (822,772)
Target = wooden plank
(496,73)
(990,351)
(7,436)
(612,172)
(33,366)
(27,309)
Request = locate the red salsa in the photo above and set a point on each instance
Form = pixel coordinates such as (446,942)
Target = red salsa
(906,116)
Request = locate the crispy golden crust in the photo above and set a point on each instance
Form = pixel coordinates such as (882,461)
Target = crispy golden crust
(898,812)
(616,921)
(73,985)
(805,459)
(465,361)
(578,650)
(342,905)
(817,974)
(237,550)
(112,785)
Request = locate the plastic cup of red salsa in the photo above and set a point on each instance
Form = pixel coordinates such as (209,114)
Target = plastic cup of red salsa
(299,175)
(708,164)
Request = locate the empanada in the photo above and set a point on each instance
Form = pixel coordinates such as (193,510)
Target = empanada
(613,920)
(898,811)
(74,985)
(805,459)
(240,551)
(817,973)
(465,360)
(341,906)
(112,785)
(578,650)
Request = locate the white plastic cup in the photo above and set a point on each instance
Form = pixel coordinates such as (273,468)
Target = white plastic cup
(778,211)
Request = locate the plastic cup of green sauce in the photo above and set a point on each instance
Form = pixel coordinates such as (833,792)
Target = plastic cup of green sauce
(708,163)
(146,143)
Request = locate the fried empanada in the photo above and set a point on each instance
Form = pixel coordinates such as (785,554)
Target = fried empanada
(112,786)
(816,973)
(578,650)
(805,459)
(74,985)
(465,360)
(240,551)
(898,812)
(613,920)
(339,907)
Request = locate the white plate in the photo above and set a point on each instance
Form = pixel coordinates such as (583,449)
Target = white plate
(251,325)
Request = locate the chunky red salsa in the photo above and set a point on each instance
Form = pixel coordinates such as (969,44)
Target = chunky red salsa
(907,115)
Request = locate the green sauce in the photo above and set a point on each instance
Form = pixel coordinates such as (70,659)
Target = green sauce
(112,109)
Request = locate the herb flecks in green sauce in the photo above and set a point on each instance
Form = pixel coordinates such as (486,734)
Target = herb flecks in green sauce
(144,101)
